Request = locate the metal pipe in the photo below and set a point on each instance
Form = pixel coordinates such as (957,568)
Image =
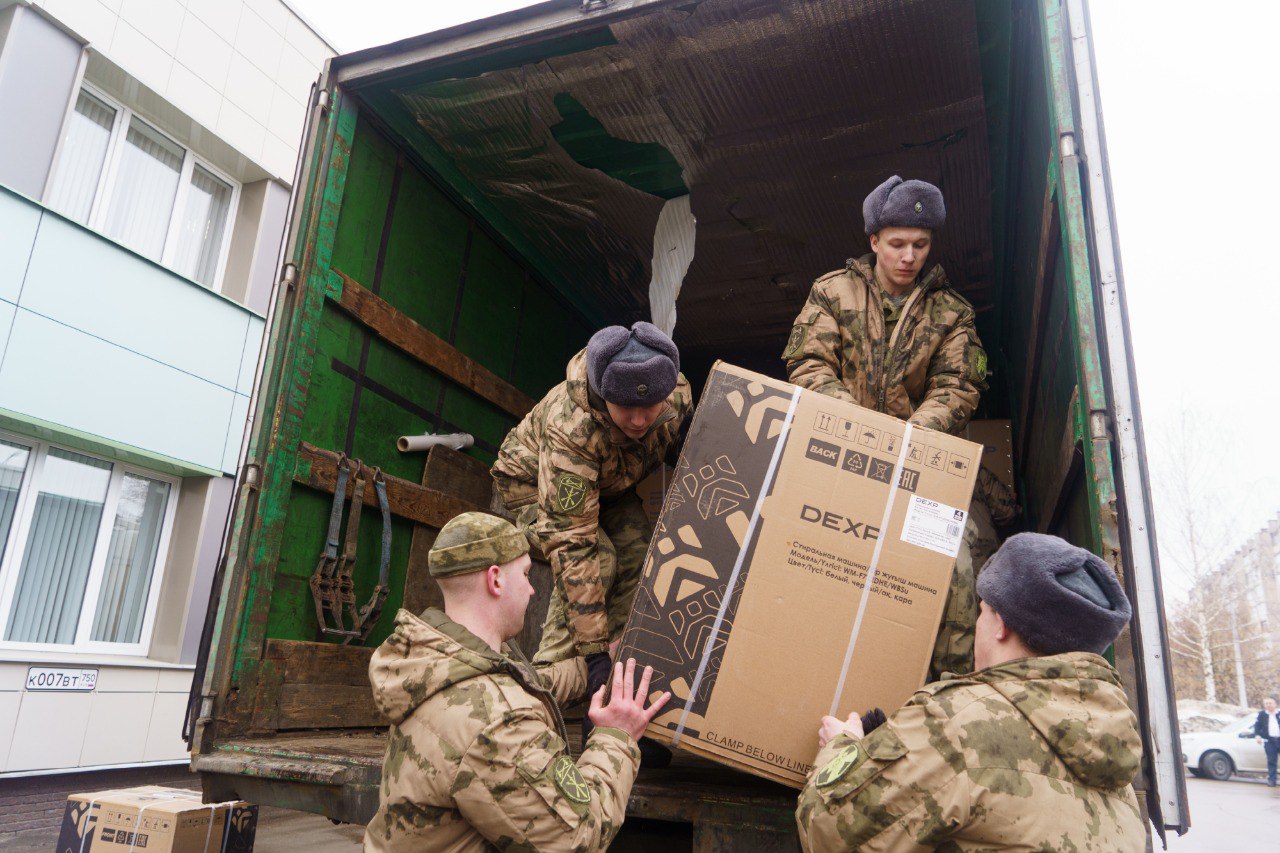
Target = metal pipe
(454,440)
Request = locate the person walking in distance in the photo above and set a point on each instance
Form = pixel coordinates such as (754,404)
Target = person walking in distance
(1267,729)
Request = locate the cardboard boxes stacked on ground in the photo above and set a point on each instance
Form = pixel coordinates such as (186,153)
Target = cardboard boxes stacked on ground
(155,820)
(751,606)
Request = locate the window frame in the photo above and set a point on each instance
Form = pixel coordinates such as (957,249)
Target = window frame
(15,547)
(105,187)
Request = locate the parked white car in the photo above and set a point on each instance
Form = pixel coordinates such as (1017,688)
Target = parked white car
(1231,749)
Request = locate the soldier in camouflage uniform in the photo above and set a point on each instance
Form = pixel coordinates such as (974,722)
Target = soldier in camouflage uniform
(1037,750)
(476,757)
(993,506)
(569,470)
(881,335)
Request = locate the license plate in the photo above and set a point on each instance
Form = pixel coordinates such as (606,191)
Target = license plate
(59,678)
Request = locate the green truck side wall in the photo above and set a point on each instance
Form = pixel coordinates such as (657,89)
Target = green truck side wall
(401,237)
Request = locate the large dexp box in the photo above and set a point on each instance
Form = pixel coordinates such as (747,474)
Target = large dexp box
(751,607)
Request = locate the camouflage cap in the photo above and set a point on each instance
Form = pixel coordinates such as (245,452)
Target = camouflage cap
(472,542)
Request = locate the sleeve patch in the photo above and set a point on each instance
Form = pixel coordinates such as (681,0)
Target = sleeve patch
(795,343)
(571,493)
(844,761)
(569,780)
(978,365)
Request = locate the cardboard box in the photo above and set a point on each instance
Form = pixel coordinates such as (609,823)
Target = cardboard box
(653,489)
(996,438)
(152,819)
(780,509)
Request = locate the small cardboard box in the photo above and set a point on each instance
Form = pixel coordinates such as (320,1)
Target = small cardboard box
(152,819)
(750,607)
(653,489)
(996,438)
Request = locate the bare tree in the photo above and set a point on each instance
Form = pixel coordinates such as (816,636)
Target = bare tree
(1212,629)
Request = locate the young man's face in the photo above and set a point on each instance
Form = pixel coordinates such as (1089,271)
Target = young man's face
(1269,704)
(901,252)
(517,591)
(635,421)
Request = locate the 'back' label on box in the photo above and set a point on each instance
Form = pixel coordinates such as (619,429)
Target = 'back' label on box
(824,452)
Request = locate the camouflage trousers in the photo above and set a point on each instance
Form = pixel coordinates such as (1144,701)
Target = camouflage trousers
(953,648)
(623,539)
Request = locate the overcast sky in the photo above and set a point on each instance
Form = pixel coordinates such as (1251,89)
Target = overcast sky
(1190,93)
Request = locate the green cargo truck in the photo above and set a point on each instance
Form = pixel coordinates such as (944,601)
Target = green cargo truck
(471,204)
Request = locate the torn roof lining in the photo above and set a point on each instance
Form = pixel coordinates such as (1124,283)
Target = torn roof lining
(777,165)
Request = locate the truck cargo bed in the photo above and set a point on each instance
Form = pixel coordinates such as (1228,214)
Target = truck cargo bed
(336,773)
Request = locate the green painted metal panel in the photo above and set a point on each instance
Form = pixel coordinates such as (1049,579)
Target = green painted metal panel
(425,253)
(298,330)
(397,233)
(364,208)
(489,310)
(1099,470)
(547,335)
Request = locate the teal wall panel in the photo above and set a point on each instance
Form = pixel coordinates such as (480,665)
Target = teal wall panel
(113,348)
(60,375)
(18,223)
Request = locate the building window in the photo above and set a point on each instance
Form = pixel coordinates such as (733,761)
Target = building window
(121,176)
(83,545)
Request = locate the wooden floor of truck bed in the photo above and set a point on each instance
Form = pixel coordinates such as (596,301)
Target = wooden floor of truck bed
(337,773)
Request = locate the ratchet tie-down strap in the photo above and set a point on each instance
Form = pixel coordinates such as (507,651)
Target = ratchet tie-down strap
(333,582)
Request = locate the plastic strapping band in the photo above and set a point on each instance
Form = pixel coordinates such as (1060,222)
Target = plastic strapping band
(170,798)
(871,569)
(88,815)
(765,486)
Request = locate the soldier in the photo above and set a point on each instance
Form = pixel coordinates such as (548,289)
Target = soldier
(1035,750)
(569,470)
(476,757)
(879,334)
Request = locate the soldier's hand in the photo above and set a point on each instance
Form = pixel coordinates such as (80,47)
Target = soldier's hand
(626,708)
(832,726)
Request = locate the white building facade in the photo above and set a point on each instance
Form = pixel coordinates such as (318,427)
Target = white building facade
(147,149)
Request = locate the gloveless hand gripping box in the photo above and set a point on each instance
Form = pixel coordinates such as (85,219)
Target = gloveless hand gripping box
(751,608)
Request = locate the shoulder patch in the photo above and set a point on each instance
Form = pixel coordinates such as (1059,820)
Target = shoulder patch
(569,781)
(844,761)
(978,364)
(571,492)
(795,343)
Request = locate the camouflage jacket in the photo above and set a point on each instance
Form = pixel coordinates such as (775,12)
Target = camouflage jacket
(930,371)
(476,756)
(566,454)
(1033,754)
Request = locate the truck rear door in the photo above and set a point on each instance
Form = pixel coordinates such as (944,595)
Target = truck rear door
(1108,426)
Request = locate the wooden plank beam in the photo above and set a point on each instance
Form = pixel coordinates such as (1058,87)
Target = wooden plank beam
(415,340)
(328,706)
(320,663)
(318,469)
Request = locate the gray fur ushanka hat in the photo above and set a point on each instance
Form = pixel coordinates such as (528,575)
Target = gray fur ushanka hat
(632,367)
(904,204)
(1057,597)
